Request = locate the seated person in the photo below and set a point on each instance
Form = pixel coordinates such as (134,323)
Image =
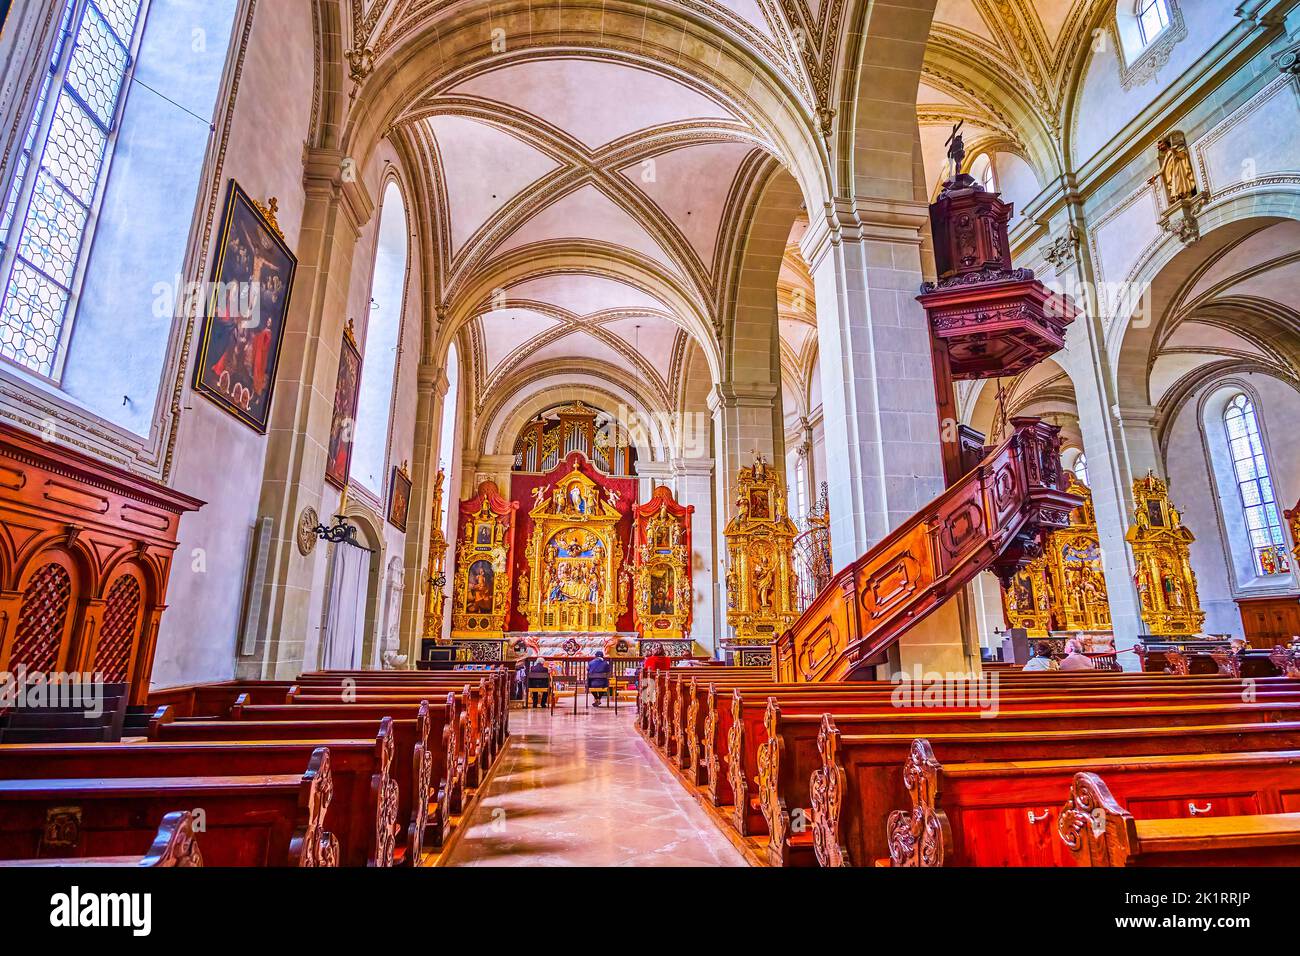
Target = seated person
(1042,659)
(1075,659)
(598,674)
(539,676)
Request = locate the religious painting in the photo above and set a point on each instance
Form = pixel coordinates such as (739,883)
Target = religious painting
(758,505)
(482,580)
(483,536)
(399,498)
(252,280)
(661,592)
(343,424)
(1155,516)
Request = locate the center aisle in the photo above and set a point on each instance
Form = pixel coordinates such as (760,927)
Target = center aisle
(586,790)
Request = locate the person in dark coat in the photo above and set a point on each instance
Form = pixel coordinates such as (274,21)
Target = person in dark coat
(598,673)
(539,675)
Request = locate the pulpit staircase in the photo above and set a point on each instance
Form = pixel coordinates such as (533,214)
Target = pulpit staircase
(986,320)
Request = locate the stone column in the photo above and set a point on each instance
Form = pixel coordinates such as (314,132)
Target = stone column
(298,437)
(1106,435)
(878,393)
(431,392)
(693,478)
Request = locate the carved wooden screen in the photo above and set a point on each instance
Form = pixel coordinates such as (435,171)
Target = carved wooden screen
(120,628)
(43,621)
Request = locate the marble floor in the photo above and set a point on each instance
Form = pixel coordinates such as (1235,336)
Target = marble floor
(586,790)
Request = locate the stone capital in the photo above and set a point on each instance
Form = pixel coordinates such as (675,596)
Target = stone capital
(742,395)
(693,467)
(333,174)
(864,219)
(433,378)
(1135,415)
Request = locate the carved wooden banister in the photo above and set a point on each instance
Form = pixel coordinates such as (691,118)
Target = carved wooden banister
(992,519)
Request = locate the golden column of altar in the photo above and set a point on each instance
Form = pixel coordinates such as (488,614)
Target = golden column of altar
(762,588)
(574,559)
(1161,546)
(436,577)
(1065,588)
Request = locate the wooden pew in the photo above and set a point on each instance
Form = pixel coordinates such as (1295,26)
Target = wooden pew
(499,679)
(860,777)
(483,735)
(216,699)
(362,814)
(428,741)
(174,846)
(741,728)
(419,764)
(267,820)
(1004,814)
(1098,831)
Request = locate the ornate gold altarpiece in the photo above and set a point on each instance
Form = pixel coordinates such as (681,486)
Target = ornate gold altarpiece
(665,596)
(1161,546)
(481,599)
(762,588)
(436,578)
(574,557)
(1065,588)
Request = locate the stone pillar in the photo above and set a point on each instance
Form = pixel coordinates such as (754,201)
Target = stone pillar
(693,478)
(431,392)
(488,468)
(1107,435)
(878,399)
(878,394)
(298,436)
(651,474)
(747,421)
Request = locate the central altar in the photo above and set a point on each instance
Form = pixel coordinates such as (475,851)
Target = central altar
(574,554)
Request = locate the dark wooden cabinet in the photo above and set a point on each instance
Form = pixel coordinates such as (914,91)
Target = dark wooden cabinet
(85,554)
(1269,621)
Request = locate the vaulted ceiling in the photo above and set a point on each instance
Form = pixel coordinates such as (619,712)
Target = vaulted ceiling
(608,192)
(1004,68)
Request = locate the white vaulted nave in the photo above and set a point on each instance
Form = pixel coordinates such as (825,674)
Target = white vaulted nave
(650,433)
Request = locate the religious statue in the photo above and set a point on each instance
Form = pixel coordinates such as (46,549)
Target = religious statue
(436,578)
(1176,168)
(763,575)
(956,144)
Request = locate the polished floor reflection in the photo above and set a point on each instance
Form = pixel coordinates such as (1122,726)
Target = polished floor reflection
(586,790)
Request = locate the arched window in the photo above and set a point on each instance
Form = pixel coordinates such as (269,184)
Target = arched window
(1255,486)
(383,338)
(46,224)
(984,173)
(1081,468)
(1153,18)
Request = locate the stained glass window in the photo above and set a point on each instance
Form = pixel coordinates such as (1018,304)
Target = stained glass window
(1255,486)
(45,223)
